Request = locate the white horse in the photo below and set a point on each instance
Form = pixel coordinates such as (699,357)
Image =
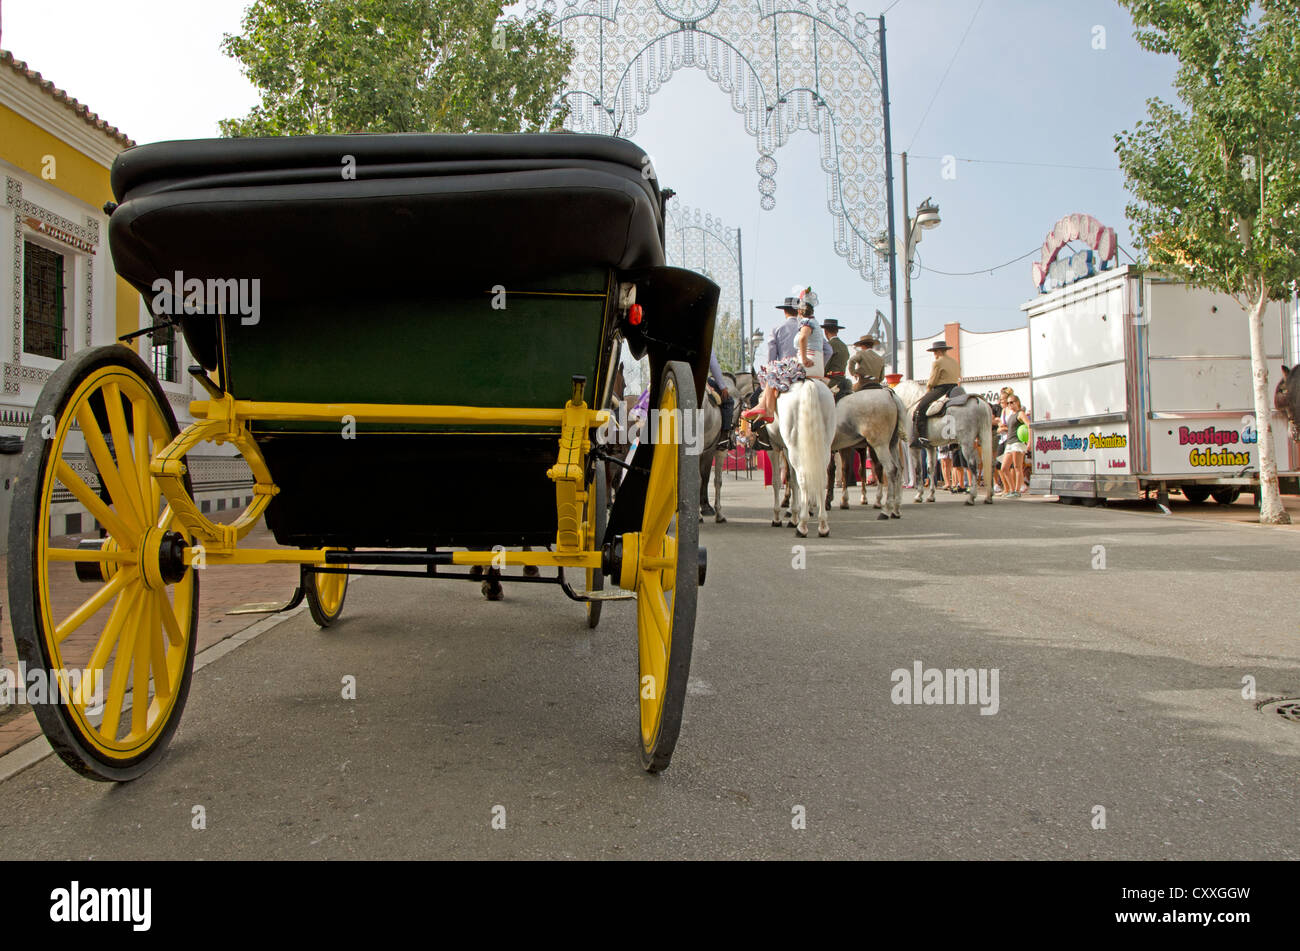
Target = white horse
(875,418)
(962,425)
(805,417)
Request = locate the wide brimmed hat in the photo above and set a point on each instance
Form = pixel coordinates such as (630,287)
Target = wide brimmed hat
(866,341)
(790,303)
(831,324)
(937,347)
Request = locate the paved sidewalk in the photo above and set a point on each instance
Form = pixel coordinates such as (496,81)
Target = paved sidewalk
(220,591)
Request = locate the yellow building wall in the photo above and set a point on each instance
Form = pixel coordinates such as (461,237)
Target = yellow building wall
(25,145)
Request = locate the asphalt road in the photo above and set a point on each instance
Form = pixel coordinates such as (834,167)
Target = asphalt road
(1118,687)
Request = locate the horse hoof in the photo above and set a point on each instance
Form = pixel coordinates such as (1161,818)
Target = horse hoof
(776,523)
(895,516)
(532,571)
(825,534)
(970,501)
(476,571)
(492,591)
(875,506)
(718,519)
(844,505)
(988,501)
(930,499)
(882,517)
(799,534)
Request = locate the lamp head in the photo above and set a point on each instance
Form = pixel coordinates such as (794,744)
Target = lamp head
(927,215)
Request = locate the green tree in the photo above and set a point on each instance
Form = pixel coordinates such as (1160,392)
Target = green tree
(397,66)
(726,342)
(1217,182)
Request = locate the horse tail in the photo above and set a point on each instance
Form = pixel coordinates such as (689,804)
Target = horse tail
(813,447)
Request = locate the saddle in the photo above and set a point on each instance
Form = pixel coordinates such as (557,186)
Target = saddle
(955,397)
(867,385)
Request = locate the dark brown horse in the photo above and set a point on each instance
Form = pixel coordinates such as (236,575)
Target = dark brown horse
(1287,398)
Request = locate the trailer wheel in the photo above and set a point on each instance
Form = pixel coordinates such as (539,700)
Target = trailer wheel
(1196,494)
(1226,495)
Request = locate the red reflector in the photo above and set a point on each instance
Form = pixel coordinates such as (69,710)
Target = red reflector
(634,314)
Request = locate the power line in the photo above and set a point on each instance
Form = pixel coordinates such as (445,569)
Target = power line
(890,7)
(1090,168)
(960,44)
(986,270)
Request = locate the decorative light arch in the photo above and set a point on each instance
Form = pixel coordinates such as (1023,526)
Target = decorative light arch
(786,64)
(699,241)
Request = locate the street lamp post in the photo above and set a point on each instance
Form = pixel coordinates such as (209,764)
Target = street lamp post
(927,218)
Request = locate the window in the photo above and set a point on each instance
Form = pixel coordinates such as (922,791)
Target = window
(164,354)
(43,301)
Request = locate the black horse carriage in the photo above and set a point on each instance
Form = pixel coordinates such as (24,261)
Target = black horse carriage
(373,316)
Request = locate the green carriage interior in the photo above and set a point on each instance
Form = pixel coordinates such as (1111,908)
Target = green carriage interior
(387,288)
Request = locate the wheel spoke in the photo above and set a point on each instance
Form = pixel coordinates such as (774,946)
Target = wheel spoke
(108,637)
(91,605)
(126,467)
(654,611)
(149,630)
(108,470)
(158,637)
(169,621)
(140,428)
(661,494)
(90,554)
(122,664)
(95,505)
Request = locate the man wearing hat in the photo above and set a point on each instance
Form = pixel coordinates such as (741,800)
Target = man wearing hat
(839,360)
(943,377)
(866,366)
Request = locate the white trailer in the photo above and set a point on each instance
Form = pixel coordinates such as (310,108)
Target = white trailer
(1141,383)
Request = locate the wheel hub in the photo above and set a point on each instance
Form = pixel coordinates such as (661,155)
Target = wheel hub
(162,558)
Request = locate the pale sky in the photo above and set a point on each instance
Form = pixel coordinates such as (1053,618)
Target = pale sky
(1027,86)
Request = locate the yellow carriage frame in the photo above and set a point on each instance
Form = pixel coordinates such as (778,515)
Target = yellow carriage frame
(145,553)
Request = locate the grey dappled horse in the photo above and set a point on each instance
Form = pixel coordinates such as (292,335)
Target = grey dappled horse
(875,418)
(962,425)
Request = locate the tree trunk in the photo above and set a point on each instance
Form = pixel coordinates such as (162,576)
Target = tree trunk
(1271,511)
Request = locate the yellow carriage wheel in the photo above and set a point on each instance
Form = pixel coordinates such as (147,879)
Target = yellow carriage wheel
(325,593)
(667,569)
(106,628)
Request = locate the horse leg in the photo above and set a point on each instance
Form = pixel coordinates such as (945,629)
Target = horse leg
(717,492)
(915,455)
(706,465)
(934,470)
(846,468)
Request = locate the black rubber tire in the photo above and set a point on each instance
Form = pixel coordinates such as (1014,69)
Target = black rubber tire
(598,492)
(1226,495)
(55,720)
(656,757)
(1196,494)
(322,617)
